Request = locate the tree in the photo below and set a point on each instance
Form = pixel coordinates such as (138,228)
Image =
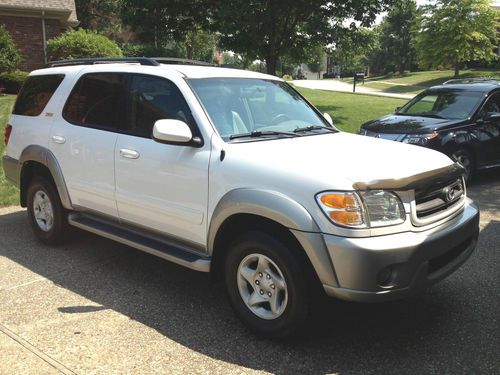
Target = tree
(396,34)
(159,22)
(102,16)
(9,54)
(353,49)
(455,31)
(266,30)
(80,44)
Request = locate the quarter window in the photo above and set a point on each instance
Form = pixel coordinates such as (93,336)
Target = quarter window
(97,101)
(36,93)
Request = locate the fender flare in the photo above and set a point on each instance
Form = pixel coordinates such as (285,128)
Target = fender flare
(283,210)
(45,157)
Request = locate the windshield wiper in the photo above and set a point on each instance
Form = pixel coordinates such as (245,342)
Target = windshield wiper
(314,127)
(262,133)
(432,116)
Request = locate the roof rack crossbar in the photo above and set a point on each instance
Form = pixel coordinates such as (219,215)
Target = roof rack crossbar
(150,61)
(175,60)
(104,60)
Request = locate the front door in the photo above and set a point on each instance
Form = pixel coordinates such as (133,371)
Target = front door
(489,130)
(160,186)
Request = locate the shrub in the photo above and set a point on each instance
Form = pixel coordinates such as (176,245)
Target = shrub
(81,44)
(12,81)
(9,54)
(287,77)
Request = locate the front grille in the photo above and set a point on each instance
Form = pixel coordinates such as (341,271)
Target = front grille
(437,199)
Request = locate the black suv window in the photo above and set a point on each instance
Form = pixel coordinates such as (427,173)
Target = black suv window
(492,105)
(36,93)
(97,100)
(155,98)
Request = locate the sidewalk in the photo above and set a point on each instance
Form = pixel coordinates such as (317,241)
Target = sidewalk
(336,85)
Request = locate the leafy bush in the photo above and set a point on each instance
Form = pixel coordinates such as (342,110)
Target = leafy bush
(9,54)
(81,44)
(287,77)
(12,81)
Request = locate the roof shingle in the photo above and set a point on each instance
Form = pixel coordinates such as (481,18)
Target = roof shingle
(44,5)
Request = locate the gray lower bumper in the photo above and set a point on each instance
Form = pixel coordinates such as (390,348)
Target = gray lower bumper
(11,169)
(413,260)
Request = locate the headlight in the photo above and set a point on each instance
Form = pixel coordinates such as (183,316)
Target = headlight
(419,139)
(369,209)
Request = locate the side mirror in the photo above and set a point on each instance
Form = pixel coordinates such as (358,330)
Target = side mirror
(397,109)
(328,118)
(492,116)
(174,132)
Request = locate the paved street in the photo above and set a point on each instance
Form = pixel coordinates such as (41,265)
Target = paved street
(97,307)
(336,85)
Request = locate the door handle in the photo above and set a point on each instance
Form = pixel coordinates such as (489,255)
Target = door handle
(129,154)
(58,139)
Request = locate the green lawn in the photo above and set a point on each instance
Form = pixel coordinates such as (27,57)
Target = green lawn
(350,111)
(9,194)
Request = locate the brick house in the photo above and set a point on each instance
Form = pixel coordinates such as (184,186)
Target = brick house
(32,22)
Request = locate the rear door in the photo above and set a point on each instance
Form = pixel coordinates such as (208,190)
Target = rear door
(83,139)
(161,187)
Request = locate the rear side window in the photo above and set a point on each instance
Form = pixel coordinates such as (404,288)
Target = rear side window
(36,93)
(97,100)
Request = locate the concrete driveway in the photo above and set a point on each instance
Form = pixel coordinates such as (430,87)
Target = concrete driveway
(97,307)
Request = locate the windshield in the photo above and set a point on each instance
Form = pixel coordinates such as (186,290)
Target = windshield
(443,104)
(240,106)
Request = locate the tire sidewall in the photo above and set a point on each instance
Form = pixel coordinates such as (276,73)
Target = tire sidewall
(56,233)
(469,156)
(298,303)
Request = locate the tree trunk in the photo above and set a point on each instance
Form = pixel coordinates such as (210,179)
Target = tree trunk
(402,67)
(457,69)
(271,62)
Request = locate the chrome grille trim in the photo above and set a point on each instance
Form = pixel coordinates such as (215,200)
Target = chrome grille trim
(437,202)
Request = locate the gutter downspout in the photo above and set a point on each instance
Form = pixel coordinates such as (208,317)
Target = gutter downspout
(44,37)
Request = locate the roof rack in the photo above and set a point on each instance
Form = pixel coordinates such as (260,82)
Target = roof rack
(175,60)
(104,60)
(471,80)
(149,61)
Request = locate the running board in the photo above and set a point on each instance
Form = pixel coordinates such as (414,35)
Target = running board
(165,249)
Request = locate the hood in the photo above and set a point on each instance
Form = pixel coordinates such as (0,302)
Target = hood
(332,161)
(407,124)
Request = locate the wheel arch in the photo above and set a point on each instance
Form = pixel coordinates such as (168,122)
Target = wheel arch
(275,213)
(38,160)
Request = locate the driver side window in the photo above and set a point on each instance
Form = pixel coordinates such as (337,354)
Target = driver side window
(492,104)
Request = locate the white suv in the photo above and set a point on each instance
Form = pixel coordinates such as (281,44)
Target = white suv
(234,173)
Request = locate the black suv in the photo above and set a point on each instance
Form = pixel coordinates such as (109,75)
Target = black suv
(460,118)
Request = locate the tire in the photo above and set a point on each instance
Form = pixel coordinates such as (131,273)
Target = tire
(466,160)
(46,215)
(262,270)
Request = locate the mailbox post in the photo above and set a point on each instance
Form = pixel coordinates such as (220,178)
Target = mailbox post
(358,77)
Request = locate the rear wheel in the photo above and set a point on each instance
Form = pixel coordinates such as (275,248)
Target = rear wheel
(466,160)
(47,216)
(266,285)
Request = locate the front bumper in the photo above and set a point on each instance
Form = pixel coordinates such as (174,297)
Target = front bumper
(395,266)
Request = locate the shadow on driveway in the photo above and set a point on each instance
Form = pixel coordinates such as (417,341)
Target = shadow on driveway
(452,328)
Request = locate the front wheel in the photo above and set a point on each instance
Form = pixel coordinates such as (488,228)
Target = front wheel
(266,285)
